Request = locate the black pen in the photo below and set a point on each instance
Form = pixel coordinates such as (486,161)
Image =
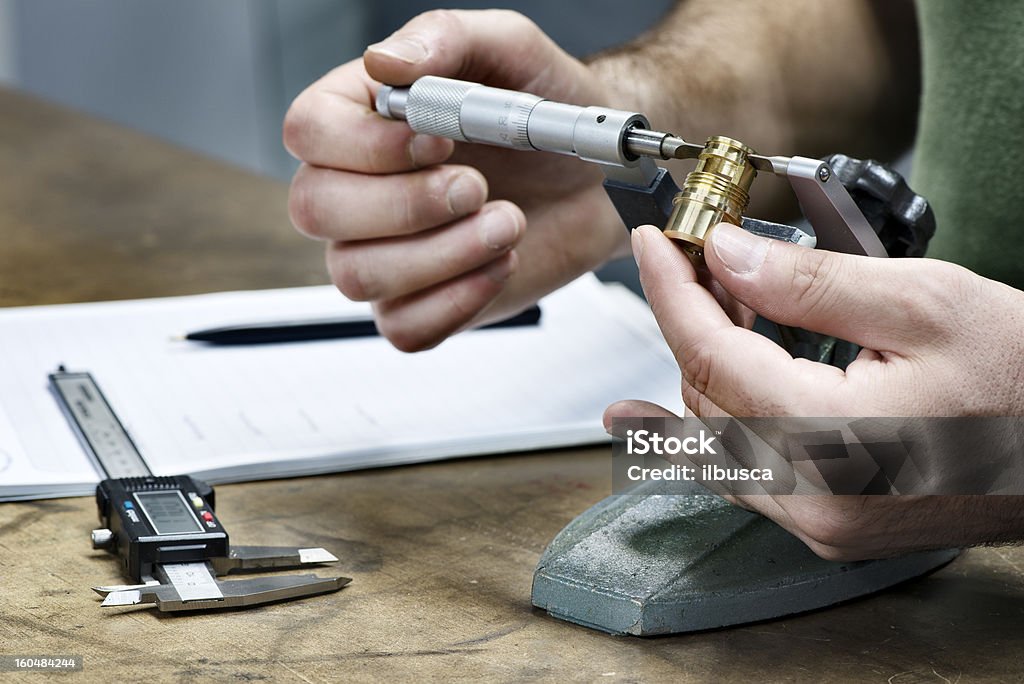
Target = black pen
(322,329)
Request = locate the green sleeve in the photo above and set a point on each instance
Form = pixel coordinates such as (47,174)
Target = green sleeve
(969,160)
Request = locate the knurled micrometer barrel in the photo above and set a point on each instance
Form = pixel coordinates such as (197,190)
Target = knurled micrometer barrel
(470,112)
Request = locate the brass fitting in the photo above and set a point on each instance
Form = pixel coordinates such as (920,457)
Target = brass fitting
(716,191)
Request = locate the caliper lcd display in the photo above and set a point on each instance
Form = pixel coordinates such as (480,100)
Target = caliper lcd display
(168,512)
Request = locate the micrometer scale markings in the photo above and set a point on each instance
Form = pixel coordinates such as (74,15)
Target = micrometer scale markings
(523,121)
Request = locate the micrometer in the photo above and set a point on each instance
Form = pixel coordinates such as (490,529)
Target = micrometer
(853,206)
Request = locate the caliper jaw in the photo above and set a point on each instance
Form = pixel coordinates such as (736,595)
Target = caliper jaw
(257,558)
(241,593)
(191,586)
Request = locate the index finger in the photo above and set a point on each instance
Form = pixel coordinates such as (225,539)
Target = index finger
(333,123)
(736,369)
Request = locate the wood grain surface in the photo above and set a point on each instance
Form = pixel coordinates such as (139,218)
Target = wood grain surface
(441,554)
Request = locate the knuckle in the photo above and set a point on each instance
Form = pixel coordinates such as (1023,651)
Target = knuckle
(812,274)
(830,525)
(823,530)
(418,198)
(346,275)
(405,207)
(829,553)
(350,284)
(450,259)
(443,21)
(402,337)
(302,204)
(295,128)
(698,404)
(366,152)
(517,21)
(461,310)
(691,398)
(929,291)
(402,340)
(698,365)
(945,285)
(319,129)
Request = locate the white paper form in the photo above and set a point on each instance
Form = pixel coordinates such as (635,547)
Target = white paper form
(232,413)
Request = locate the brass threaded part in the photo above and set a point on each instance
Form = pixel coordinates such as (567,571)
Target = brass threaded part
(725,145)
(716,190)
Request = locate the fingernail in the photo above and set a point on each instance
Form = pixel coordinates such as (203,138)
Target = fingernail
(465,194)
(406,49)
(499,229)
(502,269)
(637,240)
(740,251)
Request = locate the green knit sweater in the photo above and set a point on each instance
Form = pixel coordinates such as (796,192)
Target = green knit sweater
(969,161)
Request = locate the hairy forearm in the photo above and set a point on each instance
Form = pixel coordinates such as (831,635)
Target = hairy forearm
(799,76)
(795,77)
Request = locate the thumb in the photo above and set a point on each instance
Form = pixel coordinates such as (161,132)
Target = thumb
(882,304)
(500,47)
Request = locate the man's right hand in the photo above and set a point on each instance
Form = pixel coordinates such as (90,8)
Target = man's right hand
(441,237)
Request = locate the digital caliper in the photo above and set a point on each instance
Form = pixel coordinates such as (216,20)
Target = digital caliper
(164,530)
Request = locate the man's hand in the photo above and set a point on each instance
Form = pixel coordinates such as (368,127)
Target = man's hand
(440,236)
(938,341)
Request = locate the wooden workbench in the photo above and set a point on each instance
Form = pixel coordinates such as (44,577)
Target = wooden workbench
(441,554)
